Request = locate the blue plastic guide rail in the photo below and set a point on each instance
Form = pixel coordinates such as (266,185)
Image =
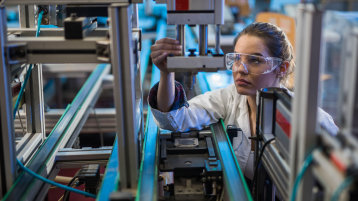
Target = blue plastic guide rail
(147,186)
(236,186)
(111,176)
(144,56)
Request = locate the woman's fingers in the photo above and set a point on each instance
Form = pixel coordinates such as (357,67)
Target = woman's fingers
(169,52)
(160,58)
(165,46)
(167,41)
(162,49)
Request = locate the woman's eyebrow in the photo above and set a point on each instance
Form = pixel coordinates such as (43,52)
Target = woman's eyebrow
(255,53)
(258,54)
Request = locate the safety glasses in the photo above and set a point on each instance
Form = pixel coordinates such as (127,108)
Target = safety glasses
(252,64)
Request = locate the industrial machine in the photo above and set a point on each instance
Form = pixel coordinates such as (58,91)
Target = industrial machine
(33,161)
(78,41)
(293,145)
(148,163)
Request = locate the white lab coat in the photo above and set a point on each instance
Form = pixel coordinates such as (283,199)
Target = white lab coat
(208,108)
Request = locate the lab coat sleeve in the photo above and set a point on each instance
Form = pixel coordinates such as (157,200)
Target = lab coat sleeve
(195,114)
(326,122)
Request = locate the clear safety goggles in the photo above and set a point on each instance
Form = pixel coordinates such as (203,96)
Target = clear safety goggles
(252,64)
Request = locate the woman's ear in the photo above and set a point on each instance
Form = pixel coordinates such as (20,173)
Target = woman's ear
(283,68)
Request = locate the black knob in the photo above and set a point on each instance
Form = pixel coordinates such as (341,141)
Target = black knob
(192,52)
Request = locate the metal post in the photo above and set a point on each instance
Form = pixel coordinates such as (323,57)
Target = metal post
(7,147)
(139,123)
(135,16)
(35,103)
(217,39)
(305,99)
(52,11)
(124,93)
(180,37)
(203,40)
(348,114)
(22,16)
(27,16)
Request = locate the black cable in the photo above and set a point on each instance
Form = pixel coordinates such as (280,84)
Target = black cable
(66,195)
(259,160)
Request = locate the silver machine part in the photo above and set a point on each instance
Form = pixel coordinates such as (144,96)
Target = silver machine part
(203,40)
(349,96)
(181,37)
(212,14)
(217,38)
(39,51)
(305,105)
(124,96)
(7,150)
(27,16)
(186,142)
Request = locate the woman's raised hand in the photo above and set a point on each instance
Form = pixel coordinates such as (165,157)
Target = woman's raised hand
(161,49)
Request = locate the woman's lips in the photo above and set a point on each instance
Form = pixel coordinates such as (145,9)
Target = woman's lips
(242,82)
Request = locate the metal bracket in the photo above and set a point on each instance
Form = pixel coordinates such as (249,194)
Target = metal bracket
(103,51)
(16,53)
(139,37)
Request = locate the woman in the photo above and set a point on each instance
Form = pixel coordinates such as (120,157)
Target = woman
(263,57)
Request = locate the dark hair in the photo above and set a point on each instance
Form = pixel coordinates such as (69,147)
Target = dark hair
(276,42)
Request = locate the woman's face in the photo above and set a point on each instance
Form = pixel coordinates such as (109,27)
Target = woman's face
(248,84)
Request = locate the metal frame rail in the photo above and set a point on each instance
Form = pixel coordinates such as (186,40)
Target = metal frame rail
(62,2)
(44,159)
(305,105)
(58,50)
(7,150)
(110,180)
(124,97)
(148,179)
(234,181)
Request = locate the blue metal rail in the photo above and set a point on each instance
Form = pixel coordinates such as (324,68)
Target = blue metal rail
(148,179)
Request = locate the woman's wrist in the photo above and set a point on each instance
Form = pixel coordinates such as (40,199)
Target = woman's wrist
(166,75)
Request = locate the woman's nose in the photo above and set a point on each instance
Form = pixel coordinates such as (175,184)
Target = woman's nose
(242,68)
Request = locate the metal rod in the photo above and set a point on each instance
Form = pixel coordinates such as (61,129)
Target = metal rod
(34,98)
(203,40)
(59,50)
(7,148)
(305,102)
(217,39)
(180,37)
(124,95)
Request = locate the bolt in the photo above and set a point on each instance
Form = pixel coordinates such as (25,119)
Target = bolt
(73,15)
